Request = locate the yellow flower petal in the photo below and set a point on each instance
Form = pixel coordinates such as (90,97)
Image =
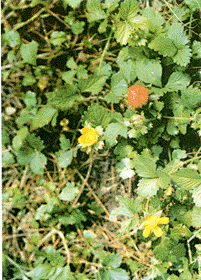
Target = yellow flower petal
(158,231)
(146,232)
(164,220)
(89,137)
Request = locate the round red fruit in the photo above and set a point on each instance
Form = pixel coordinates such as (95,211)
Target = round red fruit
(137,96)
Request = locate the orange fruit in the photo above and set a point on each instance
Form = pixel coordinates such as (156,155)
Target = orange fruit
(137,96)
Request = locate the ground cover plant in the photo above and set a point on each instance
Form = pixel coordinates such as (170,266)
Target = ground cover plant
(101,126)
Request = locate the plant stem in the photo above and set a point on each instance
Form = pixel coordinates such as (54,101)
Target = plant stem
(104,52)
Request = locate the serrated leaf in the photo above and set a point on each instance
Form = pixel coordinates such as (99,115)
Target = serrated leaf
(128,9)
(191,97)
(112,260)
(112,131)
(125,168)
(123,31)
(24,155)
(183,56)
(163,45)
(43,117)
(145,167)
(128,70)
(95,10)
(196,49)
(7,158)
(37,163)
(69,192)
(130,206)
(65,158)
(68,76)
(111,4)
(177,81)
(149,71)
(196,194)
(73,3)
(177,35)
(156,21)
(180,231)
(19,138)
(29,52)
(58,37)
(93,84)
(64,143)
(12,38)
(97,116)
(147,187)
(187,179)
(54,256)
(195,216)
(182,117)
(35,142)
(113,274)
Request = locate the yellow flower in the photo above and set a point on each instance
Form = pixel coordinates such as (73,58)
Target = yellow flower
(151,224)
(169,190)
(89,137)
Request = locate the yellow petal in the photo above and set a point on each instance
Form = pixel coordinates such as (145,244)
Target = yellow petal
(146,232)
(164,220)
(158,231)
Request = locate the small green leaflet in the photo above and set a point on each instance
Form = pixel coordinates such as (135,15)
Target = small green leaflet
(37,163)
(44,116)
(177,35)
(195,216)
(177,81)
(97,115)
(163,45)
(147,187)
(128,70)
(113,274)
(12,38)
(112,131)
(112,260)
(95,11)
(193,4)
(123,31)
(128,9)
(69,192)
(93,84)
(183,56)
(196,194)
(29,52)
(73,3)
(144,166)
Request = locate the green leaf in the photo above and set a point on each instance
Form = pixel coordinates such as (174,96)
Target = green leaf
(145,167)
(19,138)
(78,27)
(156,21)
(65,158)
(64,143)
(24,155)
(112,131)
(128,9)
(128,70)
(29,80)
(112,260)
(196,194)
(30,99)
(180,231)
(177,35)
(97,115)
(131,207)
(37,162)
(191,97)
(35,142)
(43,117)
(12,38)
(58,37)
(113,274)
(73,3)
(71,63)
(149,71)
(65,97)
(54,256)
(7,158)
(163,45)
(187,179)
(68,76)
(195,216)
(193,4)
(69,192)
(111,4)
(147,187)
(93,84)
(125,168)
(41,271)
(29,52)
(196,49)
(95,11)
(123,31)
(177,81)
(119,87)
(182,117)
(183,56)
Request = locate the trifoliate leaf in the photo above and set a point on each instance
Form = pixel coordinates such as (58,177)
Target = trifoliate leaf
(123,31)
(183,56)
(195,216)
(187,179)
(112,131)
(147,187)
(149,71)
(43,117)
(37,163)
(97,116)
(35,142)
(128,9)
(163,45)
(93,84)
(69,192)
(29,52)
(144,166)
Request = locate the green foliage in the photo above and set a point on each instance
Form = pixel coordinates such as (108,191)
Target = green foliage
(97,115)
(29,52)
